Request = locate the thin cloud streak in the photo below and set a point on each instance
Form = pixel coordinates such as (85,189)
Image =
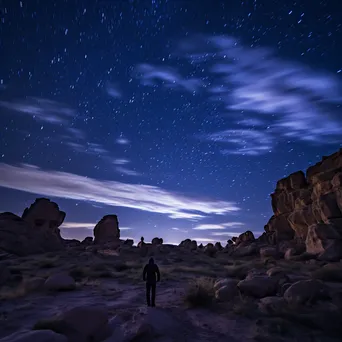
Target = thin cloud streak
(218,226)
(127,172)
(67,225)
(135,196)
(170,77)
(113,91)
(42,109)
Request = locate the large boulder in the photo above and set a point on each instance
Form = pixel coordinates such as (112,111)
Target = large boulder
(246,237)
(304,291)
(157,241)
(20,237)
(189,244)
(35,336)
(45,215)
(60,282)
(259,286)
(82,323)
(107,230)
(324,240)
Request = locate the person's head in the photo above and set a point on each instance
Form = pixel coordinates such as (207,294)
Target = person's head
(151,261)
(142,238)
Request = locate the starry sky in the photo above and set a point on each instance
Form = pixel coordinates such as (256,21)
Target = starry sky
(178,116)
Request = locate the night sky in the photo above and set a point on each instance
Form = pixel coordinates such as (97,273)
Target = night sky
(178,116)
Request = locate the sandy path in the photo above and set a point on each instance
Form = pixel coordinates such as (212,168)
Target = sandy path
(202,325)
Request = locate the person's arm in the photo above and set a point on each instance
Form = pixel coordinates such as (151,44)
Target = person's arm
(144,273)
(158,273)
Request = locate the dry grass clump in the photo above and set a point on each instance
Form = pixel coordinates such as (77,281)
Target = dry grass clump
(200,292)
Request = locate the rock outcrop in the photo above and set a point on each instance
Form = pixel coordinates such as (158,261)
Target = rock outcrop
(308,208)
(107,230)
(189,244)
(157,241)
(45,215)
(35,232)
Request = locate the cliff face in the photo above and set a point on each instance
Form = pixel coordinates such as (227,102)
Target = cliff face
(309,208)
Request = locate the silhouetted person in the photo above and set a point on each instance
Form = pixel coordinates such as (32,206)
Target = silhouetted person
(151,275)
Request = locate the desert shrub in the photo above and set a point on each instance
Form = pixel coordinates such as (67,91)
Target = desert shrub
(200,292)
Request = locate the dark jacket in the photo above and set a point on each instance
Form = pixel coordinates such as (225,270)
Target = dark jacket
(151,272)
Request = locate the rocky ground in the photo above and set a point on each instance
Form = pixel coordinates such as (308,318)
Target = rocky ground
(79,295)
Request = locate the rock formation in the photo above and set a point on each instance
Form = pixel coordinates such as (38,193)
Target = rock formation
(107,230)
(308,208)
(157,241)
(35,232)
(45,215)
(141,243)
(189,244)
(128,242)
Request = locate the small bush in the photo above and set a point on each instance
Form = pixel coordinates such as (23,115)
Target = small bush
(200,293)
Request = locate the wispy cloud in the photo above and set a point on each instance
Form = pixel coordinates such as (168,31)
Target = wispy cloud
(119,161)
(219,226)
(113,90)
(78,225)
(291,98)
(76,133)
(127,172)
(89,148)
(246,141)
(137,196)
(150,74)
(41,109)
(180,230)
(122,140)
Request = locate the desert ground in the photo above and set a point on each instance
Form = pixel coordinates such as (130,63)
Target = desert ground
(108,286)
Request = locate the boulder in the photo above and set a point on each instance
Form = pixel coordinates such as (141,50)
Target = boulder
(5,274)
(45,215)
(259,286)
(269,252)
(271,305)
(189,244)
(243,250)
(107,230)
(304,291)
(218,246)
(35,336)
(210,250)
(82,323)
(225,290)
(157,324)
(157,241)
(60,282)
(128,242)
(246,237)
(325,241)
(87,241)
(19,237)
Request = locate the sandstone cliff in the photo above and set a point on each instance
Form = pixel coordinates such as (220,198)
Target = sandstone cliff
(308,208)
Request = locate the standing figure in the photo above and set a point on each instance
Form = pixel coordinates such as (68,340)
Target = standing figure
(151,275)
